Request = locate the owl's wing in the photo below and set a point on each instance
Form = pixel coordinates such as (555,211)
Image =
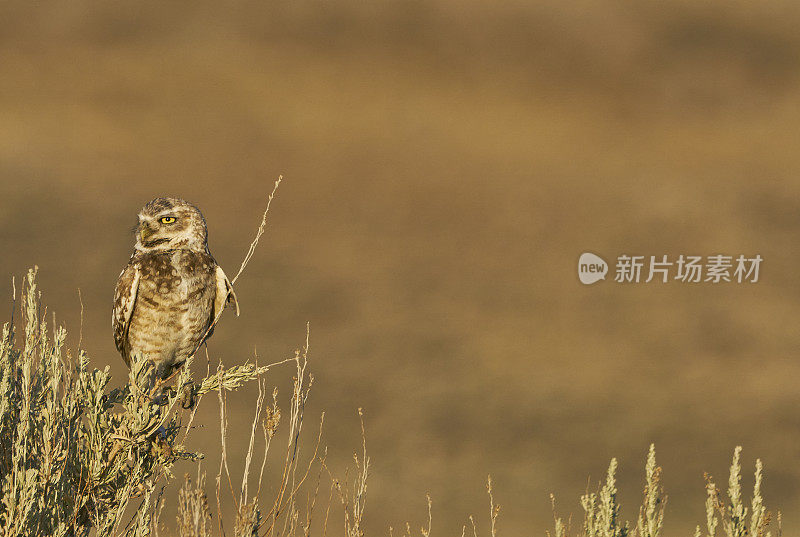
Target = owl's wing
(225,294)
(124,302)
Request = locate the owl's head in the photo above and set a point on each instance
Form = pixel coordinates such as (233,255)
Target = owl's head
(171,223)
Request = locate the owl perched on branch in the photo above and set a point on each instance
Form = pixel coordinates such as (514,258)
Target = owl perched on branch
(170,295)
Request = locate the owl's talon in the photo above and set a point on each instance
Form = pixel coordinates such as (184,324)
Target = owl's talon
(160,396)
(187,395)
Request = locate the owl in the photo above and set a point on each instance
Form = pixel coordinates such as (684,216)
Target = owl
(172,290)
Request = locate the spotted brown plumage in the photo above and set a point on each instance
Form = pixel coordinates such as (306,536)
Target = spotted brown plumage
(172,289)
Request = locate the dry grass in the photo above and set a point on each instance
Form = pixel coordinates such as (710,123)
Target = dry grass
(601,510)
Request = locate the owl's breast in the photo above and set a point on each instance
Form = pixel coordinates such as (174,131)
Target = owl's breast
(174,304)
(173,280)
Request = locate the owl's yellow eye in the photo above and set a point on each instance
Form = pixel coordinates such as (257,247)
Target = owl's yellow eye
(167,219)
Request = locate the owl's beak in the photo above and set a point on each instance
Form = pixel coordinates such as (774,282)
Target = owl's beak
(145,232)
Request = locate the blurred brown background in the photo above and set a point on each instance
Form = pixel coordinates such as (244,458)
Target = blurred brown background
(445,164)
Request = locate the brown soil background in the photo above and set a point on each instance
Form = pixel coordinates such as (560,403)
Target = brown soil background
(445,164)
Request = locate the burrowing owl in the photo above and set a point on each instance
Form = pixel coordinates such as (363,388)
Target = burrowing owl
(172,289)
